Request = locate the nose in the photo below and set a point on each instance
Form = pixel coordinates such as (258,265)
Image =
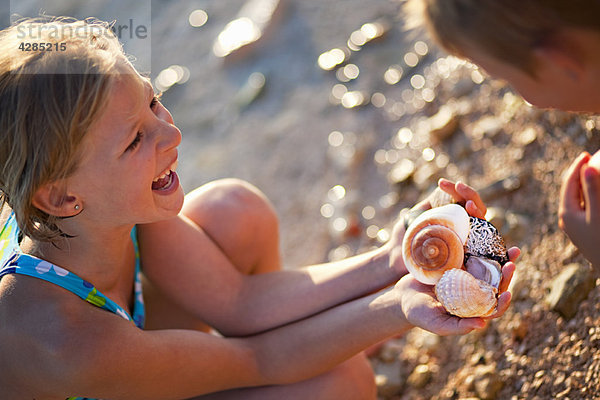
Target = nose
(170,135)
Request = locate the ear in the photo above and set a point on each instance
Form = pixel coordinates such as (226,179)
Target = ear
(563,54)
(53,199)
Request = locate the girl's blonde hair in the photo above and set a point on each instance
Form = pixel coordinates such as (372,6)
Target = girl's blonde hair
(508,30)
(49,98)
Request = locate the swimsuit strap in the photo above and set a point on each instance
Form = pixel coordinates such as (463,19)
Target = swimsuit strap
(18,263)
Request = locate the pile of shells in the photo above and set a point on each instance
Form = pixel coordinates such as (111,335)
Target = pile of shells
(461,255)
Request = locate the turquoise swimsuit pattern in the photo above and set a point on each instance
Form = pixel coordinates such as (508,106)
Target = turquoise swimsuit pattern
(12,261)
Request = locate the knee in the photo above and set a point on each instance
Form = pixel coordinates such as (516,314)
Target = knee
(240,219)
(232,201)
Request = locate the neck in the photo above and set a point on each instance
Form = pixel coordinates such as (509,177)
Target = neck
(104,258)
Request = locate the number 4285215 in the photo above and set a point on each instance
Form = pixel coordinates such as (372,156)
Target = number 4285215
(27,46)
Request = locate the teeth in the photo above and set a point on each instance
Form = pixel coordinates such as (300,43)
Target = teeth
(172,168)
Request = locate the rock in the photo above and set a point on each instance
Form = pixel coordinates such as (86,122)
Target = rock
(402,171)
(426,175)
(389,379)
(500,188)
(517,226)
(443,124)
(570,288)
(497,217)
(487,382)
(486,127)
(526,137)
(420,376)
(519,327)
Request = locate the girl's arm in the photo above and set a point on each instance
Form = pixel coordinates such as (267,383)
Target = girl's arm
(183,262)
(197,275)
(118,361)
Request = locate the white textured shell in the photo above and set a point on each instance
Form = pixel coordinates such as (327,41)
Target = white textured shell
(464,295)
(449,217)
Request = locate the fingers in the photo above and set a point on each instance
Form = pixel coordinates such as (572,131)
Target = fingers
(570,191)
(468,193)
(466,325)
(507,273)
(591,192)
(503,303)
(464,193)
(514,253)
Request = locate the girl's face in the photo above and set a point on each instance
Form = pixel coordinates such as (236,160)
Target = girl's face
(129,156)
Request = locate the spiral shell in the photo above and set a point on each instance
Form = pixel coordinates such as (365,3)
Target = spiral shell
(434,242)
(464,295)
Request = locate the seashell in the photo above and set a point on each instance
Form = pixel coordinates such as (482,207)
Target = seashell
(464,295)
(439,198)
(484,269)
(485,241)
(459,254)
(434,242)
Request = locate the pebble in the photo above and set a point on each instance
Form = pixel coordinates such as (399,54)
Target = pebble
(486,127)
(500,188)
(516,228)
(570,288)
(389,379)
(443,124)
(420,376)
(487,382)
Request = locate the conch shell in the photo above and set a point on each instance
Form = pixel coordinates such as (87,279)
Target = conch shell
(434,242)
(461,255)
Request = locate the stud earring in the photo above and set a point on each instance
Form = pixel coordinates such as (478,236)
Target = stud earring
(77,206)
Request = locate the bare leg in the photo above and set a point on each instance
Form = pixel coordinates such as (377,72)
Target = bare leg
(242,222)
(351,380)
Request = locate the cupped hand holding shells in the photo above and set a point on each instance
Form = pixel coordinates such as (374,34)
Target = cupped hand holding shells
(452,248)
(421,308)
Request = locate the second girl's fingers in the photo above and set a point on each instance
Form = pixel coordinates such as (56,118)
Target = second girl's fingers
(570,191)
(591,192)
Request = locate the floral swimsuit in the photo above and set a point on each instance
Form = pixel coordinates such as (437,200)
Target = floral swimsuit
(13,261)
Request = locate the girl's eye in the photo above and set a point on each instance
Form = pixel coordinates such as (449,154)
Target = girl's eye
(139,135)
(135,142)
(154,101)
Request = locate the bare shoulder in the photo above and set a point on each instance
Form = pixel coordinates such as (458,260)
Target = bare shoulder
(42,332)
(62,346)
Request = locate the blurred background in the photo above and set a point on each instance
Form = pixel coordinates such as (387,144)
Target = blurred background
(343,118)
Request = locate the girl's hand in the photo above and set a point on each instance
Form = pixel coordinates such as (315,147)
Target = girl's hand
(579,209)
(422,309)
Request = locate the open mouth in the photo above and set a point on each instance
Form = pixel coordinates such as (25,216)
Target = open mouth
(166,180)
